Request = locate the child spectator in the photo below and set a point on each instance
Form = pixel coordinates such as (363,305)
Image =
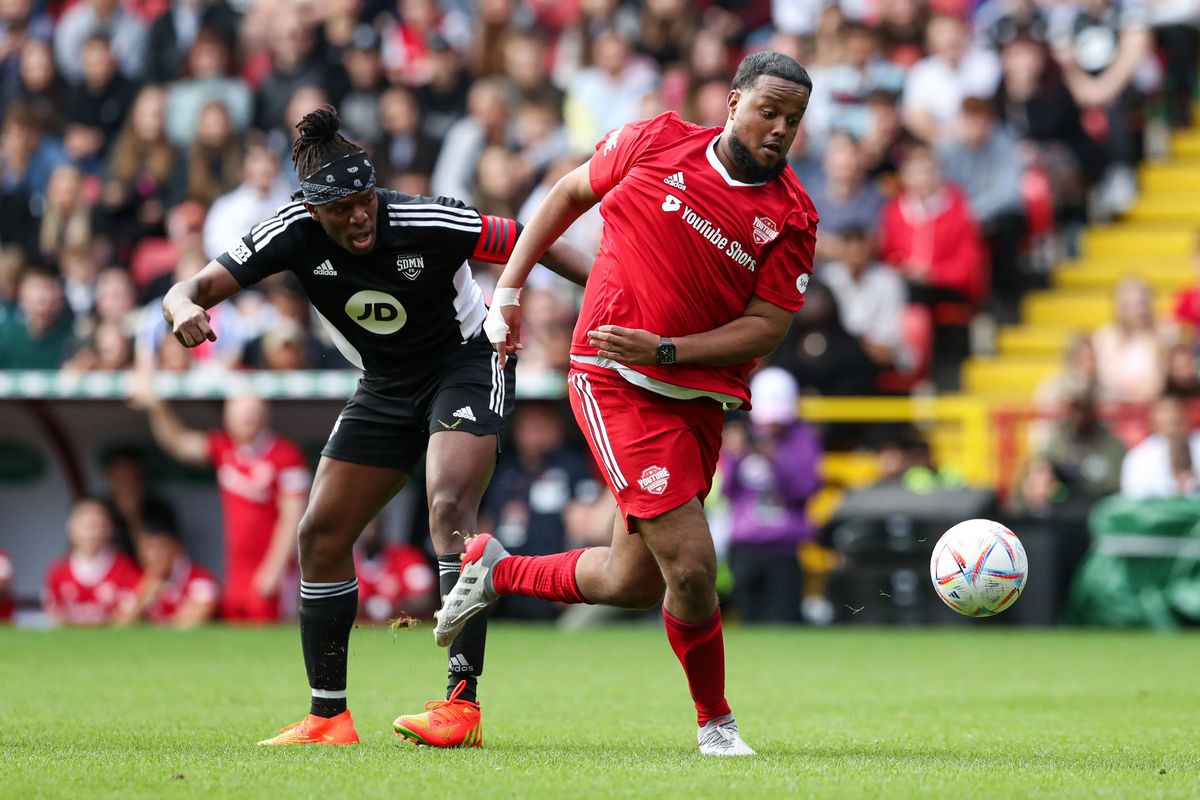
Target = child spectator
(1167,462)
(1130,352)
(174,591)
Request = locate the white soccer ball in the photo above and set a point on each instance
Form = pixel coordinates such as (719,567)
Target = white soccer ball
(979,568)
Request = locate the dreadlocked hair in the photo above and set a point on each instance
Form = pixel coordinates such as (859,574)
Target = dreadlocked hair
(319,141)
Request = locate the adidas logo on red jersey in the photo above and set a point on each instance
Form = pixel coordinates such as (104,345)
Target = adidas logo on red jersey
(676,181)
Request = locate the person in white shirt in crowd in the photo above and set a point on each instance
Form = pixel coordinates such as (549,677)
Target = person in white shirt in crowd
(871,297)
(262,192)
(937,84)
(125,30)
(1166,462)
(608,94)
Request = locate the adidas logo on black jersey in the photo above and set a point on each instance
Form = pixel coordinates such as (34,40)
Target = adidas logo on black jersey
(676,181)
(465,413)
(325,268)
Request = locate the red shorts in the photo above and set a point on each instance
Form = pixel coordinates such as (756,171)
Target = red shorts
(656,453)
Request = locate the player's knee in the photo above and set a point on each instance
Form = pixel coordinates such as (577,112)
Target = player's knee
(320,544)
(644,594)
(692,577)
(450,511)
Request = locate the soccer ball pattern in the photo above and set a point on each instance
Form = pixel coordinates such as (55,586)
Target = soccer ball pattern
(978,568)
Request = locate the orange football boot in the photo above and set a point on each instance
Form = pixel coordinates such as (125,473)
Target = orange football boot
(318,730)
(445,723)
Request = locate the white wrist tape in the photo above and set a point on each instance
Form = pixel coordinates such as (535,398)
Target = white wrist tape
(506,297)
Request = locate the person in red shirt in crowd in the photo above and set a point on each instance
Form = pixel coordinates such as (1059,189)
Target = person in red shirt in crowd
(263,479)
(174,591)
(705,257)
(929,235)
(94,584)
(6,574)
(394,579)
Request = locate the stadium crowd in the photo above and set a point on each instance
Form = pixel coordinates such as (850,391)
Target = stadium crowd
(953,149)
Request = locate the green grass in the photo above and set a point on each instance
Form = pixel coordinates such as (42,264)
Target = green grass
(605,713)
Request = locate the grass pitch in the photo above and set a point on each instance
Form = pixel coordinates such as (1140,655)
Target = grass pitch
(842,713)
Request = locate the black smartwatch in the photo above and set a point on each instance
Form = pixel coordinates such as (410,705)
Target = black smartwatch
(665,354)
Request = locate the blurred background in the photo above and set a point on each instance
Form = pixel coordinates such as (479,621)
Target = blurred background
(1002,321)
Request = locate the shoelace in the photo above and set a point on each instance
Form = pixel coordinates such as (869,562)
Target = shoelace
(435,706)
(723,735)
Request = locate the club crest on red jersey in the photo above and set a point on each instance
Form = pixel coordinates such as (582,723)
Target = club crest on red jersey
(654,479)
(764,230)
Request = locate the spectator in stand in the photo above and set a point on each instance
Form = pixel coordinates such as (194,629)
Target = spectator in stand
(443,98)
(175,30)
(1130,351)
(953,70)
(499,182)
(609,93)
(20,24)
(133,508)
(360,109)
(931,238)
(411,42)
(840,91)
(984,161)
(212,164)
(667,29)
(39,87)
(67,215)
(1035,103)
(527,65)
(98,105)
(94,584)
(1183,377)
(78,268)
(27,159)
(394,580)
(870,297)
(768,481)
(208,77)
(1178,42)
(261,193)
(1001,22)
(82,20)
(1167,462)
(574,51)
(39,334)
(293,66)
(1101,48)
(488,122)
(493,25)
(824,357)
(1083,451)
(406,153)
(264,482)
(174,591)
(886,140)
(6,598)
(133,202)
(536,483)
(846,198)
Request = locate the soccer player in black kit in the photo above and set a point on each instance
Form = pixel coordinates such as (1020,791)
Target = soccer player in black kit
(387,274)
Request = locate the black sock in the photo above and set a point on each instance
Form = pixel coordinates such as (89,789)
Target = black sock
(327,612)
(466,651)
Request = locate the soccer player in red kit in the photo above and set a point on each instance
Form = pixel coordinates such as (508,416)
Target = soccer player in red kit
(94,584)
(6,575)
(264,480)
(705,257)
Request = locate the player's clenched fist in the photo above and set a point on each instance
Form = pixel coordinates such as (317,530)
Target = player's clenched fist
(503,323)
(626,345)
(190,324)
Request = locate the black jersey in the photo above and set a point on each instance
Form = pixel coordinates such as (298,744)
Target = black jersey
(400,307)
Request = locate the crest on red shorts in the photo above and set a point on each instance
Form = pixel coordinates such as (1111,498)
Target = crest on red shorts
(764,230)
(654,479)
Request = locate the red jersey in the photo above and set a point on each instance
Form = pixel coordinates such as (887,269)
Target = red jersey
(187,582)
(685,247)
(398,580)
(6,573)
(80,591)
(251,479)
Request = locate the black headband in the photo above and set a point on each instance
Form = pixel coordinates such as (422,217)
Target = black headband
(339,178)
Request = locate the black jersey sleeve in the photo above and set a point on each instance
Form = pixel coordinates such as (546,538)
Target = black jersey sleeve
(454,223)
(269,247)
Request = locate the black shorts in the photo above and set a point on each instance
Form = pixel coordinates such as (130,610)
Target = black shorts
(387,422)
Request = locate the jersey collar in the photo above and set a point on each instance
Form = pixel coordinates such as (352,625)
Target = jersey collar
(711,152)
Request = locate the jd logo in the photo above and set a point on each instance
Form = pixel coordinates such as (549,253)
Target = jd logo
(378,312)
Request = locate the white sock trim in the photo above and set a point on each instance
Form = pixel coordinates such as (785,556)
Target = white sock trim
(325,694)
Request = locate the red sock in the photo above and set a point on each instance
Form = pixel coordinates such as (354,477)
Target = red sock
(700,648)
(547,577)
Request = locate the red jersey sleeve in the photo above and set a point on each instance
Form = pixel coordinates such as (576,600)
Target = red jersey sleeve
(618,151)
(218,446)
(294,477)
(497,238)
(786,271)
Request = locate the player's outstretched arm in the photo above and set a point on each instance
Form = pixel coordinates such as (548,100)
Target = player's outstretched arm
(181,442)
(185,304)
(757,332)
(571,196)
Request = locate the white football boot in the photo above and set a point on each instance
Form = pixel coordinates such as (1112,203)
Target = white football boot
(473,592)
(720,737)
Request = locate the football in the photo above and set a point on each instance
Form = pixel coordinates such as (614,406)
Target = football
(978,568)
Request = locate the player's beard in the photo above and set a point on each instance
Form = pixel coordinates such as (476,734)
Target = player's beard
(744,160)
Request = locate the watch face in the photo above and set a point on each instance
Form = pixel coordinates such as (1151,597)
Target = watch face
(666,354)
